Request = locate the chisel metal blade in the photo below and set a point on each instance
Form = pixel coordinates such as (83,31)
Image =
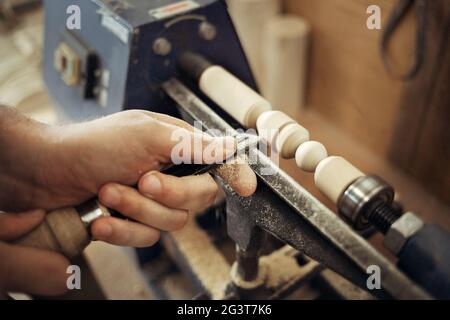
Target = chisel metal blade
(245,142)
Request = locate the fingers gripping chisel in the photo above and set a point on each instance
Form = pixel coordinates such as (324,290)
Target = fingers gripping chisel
(67,230)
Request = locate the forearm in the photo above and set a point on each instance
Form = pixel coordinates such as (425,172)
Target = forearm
(23,143)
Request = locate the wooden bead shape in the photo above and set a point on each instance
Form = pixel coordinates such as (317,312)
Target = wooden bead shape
(309,154)
(290,138)
(233,96)
(270,124)
(333,176)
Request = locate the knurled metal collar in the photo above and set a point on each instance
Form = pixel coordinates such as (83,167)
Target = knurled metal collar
(362,192)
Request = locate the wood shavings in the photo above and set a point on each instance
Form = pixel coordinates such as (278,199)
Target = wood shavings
(239,176)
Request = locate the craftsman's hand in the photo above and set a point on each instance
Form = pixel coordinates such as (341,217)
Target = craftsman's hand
(24,269)
(52,167)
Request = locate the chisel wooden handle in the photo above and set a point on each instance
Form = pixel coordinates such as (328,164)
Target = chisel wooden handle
(65,230)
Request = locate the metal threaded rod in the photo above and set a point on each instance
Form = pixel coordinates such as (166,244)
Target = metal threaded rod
(382,216)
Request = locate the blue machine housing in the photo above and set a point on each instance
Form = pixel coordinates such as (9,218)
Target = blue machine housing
(121,33)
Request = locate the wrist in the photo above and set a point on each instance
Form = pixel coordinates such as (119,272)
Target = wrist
(25,147)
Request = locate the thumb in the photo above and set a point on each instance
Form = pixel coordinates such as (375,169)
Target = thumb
(14,225)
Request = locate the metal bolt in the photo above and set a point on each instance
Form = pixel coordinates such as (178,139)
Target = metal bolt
(382,215)
(401,231)
(207,31)
(162,47)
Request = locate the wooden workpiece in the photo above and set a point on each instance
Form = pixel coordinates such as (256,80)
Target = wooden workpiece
(290,138)
(309,155)
(333,175)
(270,124)
(282,131)
(233,96)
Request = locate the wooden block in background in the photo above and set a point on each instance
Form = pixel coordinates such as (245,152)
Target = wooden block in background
(249,17)
(347,82)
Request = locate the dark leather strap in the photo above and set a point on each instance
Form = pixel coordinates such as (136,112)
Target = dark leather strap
(394,21)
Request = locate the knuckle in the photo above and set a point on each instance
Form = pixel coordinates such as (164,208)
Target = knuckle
(165,192)
(122,235)
(108,192)
(184,196)
(176,193)
(103,192)
(179,220)
(128,206)
(132,114)
(212,198)
(211,192)
(142,180)
(152,238)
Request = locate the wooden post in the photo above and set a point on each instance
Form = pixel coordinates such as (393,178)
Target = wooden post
(285,56)
(250,16)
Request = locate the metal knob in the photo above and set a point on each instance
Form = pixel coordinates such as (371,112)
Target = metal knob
(356,204)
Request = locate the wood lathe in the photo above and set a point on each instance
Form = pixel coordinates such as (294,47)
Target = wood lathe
(183,58)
